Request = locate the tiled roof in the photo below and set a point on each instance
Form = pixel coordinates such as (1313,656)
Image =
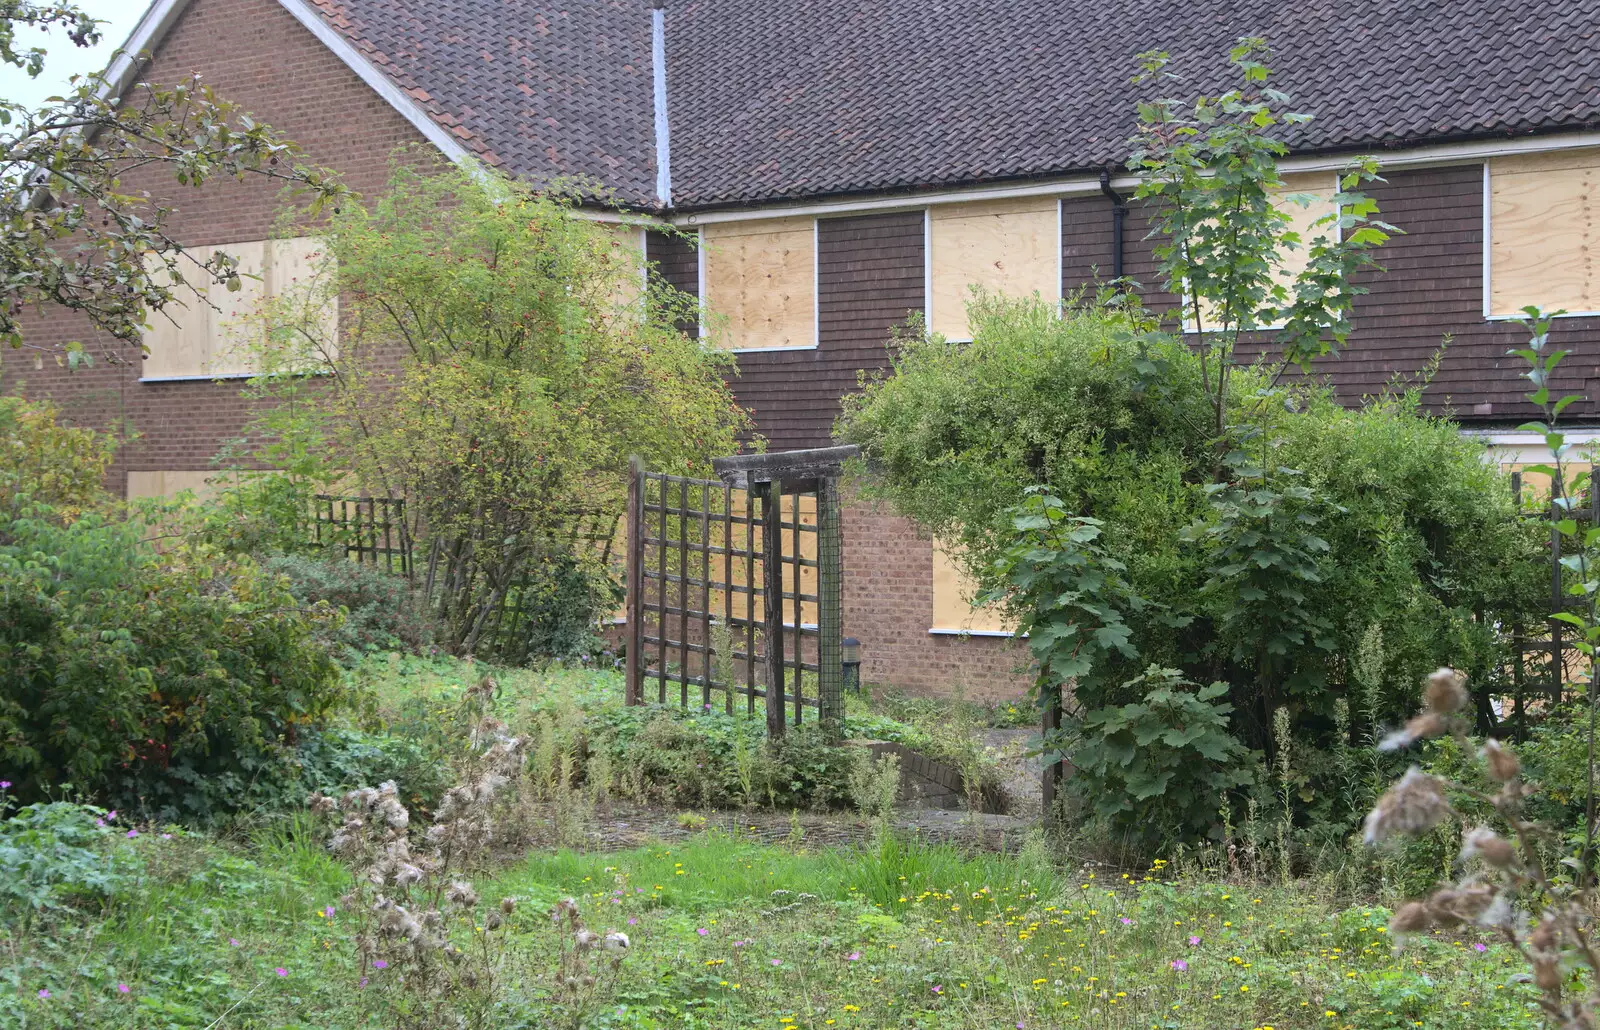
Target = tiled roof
(784,100)
(544,90)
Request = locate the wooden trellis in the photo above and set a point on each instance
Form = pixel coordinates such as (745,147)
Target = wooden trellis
(734,586)
(372,530)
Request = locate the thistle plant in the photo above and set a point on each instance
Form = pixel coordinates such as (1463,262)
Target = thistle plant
(421,926)
(587,963)
(1503,886)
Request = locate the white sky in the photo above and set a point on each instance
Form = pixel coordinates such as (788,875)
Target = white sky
(65,60)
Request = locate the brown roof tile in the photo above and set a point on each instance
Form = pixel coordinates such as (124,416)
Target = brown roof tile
(807,98)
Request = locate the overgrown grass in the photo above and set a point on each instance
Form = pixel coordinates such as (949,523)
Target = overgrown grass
(727,933)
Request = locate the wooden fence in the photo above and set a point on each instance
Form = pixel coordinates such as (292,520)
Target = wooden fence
(371,530)
(734,587)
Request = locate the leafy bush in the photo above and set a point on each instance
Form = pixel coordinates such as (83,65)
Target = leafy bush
(52,853)
(1397,529)
(381,611)
(167,682)
(1165,763)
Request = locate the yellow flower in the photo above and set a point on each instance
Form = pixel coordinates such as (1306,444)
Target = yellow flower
(852,1008)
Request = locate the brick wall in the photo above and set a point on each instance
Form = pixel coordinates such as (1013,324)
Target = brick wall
(869,277)
(254,53)
(1430,288)
(888,606)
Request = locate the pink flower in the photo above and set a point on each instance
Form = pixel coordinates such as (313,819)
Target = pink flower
(44,995)
(702,931)
(122,988)
(776,962)
(281,971)
(1180,965)
(1480,948)
(937,988)
(133,833)
(379,963)
(328,911)
(111,814)
(1125,921)
(166,836)
(1193,941)
(632,921)
(363,982)
(853,956)
(100,823)
(4,784)
(233,941)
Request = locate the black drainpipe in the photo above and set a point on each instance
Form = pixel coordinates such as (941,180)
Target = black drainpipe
(1119,210)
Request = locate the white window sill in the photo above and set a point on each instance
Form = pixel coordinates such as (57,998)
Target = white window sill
(769,350)
(937,632)
(198,378)
(1522,314)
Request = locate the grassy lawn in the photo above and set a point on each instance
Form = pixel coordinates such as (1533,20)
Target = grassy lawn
(725,933)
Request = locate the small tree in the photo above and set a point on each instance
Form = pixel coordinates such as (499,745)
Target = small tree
(1209,174)
(497,360)
(70,232)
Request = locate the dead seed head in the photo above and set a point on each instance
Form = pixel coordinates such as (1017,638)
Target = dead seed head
(1445,692)
(1494,849)
(1414,805)
(1411,917)
(1503,765)
(1419,727)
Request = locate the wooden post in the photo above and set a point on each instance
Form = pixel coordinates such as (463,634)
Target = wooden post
(771,495)
(1050,782)
(633,692)
(830,607)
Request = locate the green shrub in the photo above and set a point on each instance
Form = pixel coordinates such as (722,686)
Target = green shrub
(54,853)
(381,610)
(1327,527)
(1163,765)
(169,683)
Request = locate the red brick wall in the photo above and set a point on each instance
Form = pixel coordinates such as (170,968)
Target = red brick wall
(254,53)
(888,606)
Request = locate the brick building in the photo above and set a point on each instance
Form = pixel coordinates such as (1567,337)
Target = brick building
(845,163)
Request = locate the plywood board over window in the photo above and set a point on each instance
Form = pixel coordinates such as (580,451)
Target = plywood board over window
(1544,229)
(209,336)
(170,482)
(1003,246)
(953,592)
(761,279)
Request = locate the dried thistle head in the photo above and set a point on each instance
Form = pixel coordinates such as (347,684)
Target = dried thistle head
(1482,842)
(1414,805)
(507,905)
(1445,693)
(462,894)
(1409,918)
(1502,763)
(1418,727)
(320,803)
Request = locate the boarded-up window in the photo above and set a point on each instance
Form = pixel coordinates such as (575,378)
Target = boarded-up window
(1003,246)
(760,278)
(1543,231)
(167,483)
(1318,190)
(953,592)
(195,339)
